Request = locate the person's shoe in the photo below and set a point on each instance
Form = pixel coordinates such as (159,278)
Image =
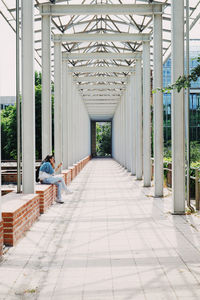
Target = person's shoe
(59,201)
(68,192)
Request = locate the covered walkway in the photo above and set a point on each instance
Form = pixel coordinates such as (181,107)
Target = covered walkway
(110,240)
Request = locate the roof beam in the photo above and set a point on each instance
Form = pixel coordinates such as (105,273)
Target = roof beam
(114,102)
(100,79)
(101,97)
(119,69)
(100,55)
(106,37)
(114,9)
(101,86)
(110,106)
(102,94)
(101,112)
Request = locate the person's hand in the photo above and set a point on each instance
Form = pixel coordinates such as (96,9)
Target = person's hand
(60,164)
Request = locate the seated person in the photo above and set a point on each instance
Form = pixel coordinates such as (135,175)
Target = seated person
(46,176)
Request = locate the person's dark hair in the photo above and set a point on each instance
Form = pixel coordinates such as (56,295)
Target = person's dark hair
(47,158)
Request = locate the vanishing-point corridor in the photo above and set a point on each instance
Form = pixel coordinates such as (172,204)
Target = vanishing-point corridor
(108,241)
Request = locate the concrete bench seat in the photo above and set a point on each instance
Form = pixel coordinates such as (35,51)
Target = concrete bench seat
(19,212)
(1,238)
(67,176)
(47,194)
(73,172)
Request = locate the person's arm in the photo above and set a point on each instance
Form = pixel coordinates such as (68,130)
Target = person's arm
(58,167)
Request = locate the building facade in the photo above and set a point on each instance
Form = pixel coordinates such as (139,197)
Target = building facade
(194,97)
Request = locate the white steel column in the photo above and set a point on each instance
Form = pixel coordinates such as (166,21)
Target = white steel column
(178,129)
(82,125)
(146,115)
(73,123)
(127,129)
(65,99)
(139,152)
(123,133)
(70,148)
(158,106)
(133,122)
(28,99)
(46,86)
(57,102)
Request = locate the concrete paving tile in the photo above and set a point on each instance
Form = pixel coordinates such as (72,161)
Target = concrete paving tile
(108,241)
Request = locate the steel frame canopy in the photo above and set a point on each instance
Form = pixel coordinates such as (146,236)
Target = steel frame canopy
(74,23)
(119,37)
(85,17)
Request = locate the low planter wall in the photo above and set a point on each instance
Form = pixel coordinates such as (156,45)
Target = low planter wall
(67,176)
(9,177)
(19,212)
(1,238)
(47,194)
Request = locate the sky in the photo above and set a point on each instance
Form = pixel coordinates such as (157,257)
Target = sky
(7,60)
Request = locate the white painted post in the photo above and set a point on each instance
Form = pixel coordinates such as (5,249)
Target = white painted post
(128,116)
(133,122)
(127,127)
(65,75)
(178,127)
(121,131)
(146,115)
(28,99)
(73,124)
(124,131)
(77,124)
(57,102)
(158,106)
(46,86)
(70,144)
(139,151)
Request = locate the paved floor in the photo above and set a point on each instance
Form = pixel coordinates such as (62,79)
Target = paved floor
(110,240)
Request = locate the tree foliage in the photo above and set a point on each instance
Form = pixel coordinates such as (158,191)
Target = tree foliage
(9,125)
(9,133)
(38,103)
(103,139)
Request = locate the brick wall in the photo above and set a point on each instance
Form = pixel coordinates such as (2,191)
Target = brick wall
(47,194)
(6,191)
(72,169)
(20,211)
(76,169)
(1,238)
(9,177)
(18,215)
(67,176)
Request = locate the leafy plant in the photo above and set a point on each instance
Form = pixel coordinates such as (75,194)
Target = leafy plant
(167,150)
(195,152)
